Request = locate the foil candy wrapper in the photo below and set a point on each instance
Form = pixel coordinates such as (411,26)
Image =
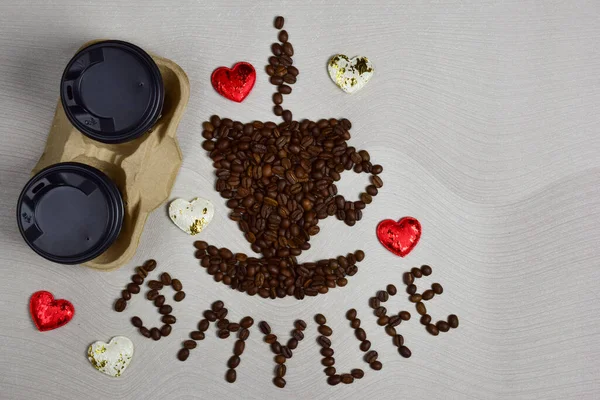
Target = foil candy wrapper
(350,74)
(111,358)
(191,217)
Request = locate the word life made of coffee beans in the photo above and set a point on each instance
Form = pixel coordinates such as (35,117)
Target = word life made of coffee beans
(279,182)
(217,315)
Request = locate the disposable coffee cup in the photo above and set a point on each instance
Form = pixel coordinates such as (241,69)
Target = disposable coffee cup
(112,91)
(70,213)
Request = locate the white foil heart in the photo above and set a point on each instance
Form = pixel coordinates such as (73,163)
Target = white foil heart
(192,217)
(350,74)
(112,358)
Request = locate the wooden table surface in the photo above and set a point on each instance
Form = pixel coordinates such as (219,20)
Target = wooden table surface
(485,116)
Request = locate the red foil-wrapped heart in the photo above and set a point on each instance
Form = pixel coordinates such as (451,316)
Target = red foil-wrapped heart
(48,313)
(235,83)
(399,237)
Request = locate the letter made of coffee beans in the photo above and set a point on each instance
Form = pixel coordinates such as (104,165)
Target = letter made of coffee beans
(390,322)
(327,351)
(419,299)
(282,353)
(218,315)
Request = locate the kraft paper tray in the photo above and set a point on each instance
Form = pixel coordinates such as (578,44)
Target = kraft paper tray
(144,169)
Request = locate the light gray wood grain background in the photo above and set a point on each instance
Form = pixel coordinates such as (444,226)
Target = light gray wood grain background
(485,115)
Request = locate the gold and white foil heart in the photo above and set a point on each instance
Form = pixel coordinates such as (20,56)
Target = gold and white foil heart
(112,358)
(350,74)
(191,217)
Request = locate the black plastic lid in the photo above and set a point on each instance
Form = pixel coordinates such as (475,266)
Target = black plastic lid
(70,213)
(112,91)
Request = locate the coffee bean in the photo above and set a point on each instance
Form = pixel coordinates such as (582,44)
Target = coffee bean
(239,347)
(425,319)
(442,326)
(286,352)
(189,344)
(243,334)
(391,289)
(351,314)
(320,319)
(390,330)
(383,296)
(126,295)
(217,306)
(374,302)
(377,169)
(152,294)
(223,334)
(347,379)
(176,285)
(428,294)
(169,319)
(137,322)
(360,255)
(411,289)
(279,22)
(288,49)
(159,301)
(144,331)
(210,315)
(431,328)
(327,352)
(329,371)
(357,373)
(408,278)
(269,70)
(365,345)
(398,340)
(360,334)
(437,288)
(197,335)
(376,365)
(280,359)
(416,272)
(233,327)
(415,298)
(453,321)
(325,330)
(165,278)
(293,70)
(404,315)
(334,380)
(287,115)
(421,309)
(279,381)
(270,338)
(247,322)
(300,325)
(404,351)
(166,309)
(233,362)
(377,182)
(120,305)
(155,333)
(203,325)
(183,354)
(297,334)
(283,36)
(201,245)
(328,361)
(426,270)
(277,98)
(283,89)
(141,271)
(276,348)
(137,279)
(150,265)
(383,320)
(395,320)
(230,375)
(371,356)
(133,288)
(264,327)
(155,285)
(324,342)
(179,296)
(355,324)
